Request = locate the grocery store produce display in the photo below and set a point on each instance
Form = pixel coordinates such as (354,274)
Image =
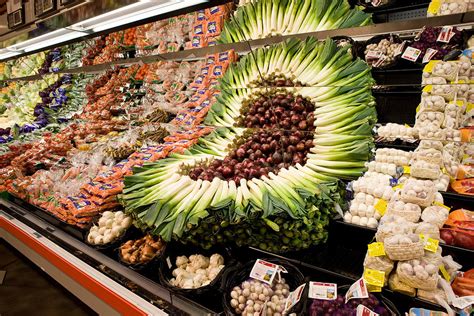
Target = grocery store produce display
(186,169)
(256,186)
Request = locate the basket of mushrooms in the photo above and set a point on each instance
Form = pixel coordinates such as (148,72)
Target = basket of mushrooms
(192,271)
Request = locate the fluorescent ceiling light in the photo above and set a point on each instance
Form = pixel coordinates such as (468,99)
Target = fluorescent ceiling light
(140,10)
(4,54)
(46,40)
(132,13)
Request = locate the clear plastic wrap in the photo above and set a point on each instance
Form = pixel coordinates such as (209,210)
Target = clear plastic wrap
(432,103)
(421,192)
(425,170)
(418,274)
(410,212)
(436,215)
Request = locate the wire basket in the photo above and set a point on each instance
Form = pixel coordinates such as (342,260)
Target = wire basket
(399,252)
(237,275)
(167,265)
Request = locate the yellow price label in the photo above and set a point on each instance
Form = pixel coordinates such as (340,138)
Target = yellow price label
(376,249)
(460,103)
(430,66)
(469,107)
(428,88)
(381,207)
(434,7)
(373,288)
(442,205)
(417,110)
(406,169)
(374,277)
(444,273)
(430,243)
(398,187)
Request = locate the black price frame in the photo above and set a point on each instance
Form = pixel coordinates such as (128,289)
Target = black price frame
(43,7)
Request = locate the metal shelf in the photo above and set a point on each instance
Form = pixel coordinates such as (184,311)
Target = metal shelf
(358,33)
(139,284)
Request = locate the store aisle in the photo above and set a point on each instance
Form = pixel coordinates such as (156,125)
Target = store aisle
(26,290)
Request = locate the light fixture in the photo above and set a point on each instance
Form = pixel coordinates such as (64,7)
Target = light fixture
(132,13)
(140,10)
(4,54)
(46,40)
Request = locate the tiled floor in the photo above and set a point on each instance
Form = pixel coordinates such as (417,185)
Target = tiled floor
(28,291)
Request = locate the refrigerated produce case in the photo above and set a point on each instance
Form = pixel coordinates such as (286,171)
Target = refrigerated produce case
(100,280)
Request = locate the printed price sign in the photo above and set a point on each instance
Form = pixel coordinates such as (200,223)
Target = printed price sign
(293,298)
(434,7)
(430,53)
(357,290)
(322,291)
(381,207)
(376,249)
(442,205)
(446,34)
(374,277)
(444,273)
(364,311)
(264,271)
(411,54)
(430,243)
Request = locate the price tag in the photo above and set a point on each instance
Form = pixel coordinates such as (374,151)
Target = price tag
(398,187)
(374,277)
(460,103)
(376,3)
(406,169)
(376,249)
(357,290)
(442,205)
(364,311)
(322,291)
(418,108)
(264,271)
(411,54)
(428,88)
(373,288)
(430,53)
(400,48)
(434,7)
(293,298)
(430,243)
(446,34)
(381,207)
(380,61)
(373,54)
(469,107)
(463,302)
(444,273)
(430,66)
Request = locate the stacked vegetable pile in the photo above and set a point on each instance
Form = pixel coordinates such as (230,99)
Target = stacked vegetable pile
(263,18)
(236,183)
(338,306)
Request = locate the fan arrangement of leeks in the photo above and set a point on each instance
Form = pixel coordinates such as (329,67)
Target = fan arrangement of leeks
(291,120)
(263,18)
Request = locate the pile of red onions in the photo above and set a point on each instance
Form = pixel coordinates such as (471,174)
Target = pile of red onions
(281,135)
